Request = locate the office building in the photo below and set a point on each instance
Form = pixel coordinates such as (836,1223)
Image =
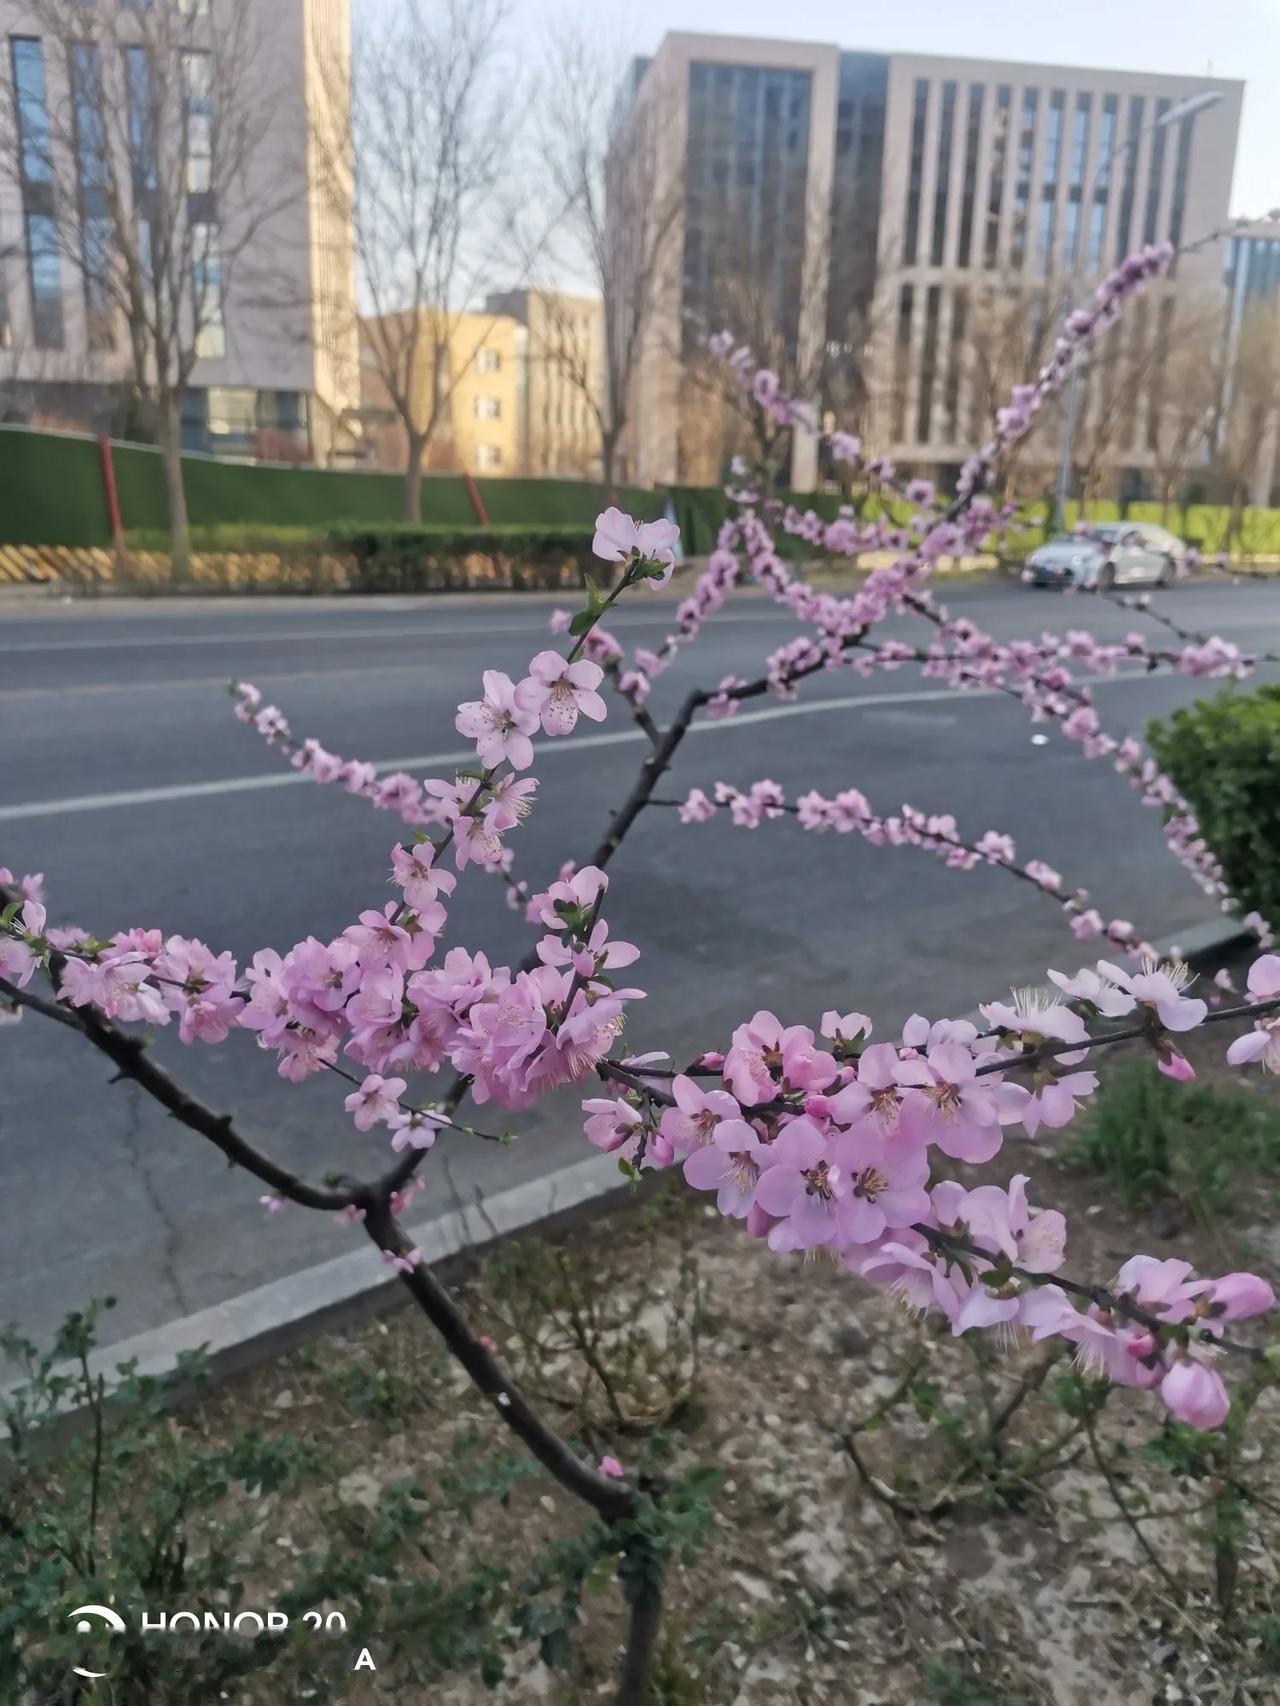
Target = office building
(277,368)
(908,230)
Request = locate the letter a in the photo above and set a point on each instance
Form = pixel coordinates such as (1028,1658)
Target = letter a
(365,1661)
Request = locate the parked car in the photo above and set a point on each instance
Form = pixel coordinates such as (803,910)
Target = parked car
(1118,553)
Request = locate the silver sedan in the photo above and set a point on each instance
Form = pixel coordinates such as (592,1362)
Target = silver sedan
(1111,554)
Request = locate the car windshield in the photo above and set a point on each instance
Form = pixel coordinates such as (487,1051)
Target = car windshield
(1107,535)
(1074,541)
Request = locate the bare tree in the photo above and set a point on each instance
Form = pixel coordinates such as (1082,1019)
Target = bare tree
(137,159)
(431,130)
(1246,432)
(605,173)
(1186,379)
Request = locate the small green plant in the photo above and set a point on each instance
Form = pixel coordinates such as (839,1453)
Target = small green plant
(951,1682)
(1224,754)
(1150,1138)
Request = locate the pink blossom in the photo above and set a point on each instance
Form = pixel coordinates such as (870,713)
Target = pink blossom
(766,1058)
(415,1128)
(376,1099)
(697,808)
(617,536)
(566,689)
(1099,992)
(1160,987)
(402,1264)
(612,1468)
(1194,1392)
(699,1115)
(501,722)
(412,871)
(804,1189)
(1234,1297)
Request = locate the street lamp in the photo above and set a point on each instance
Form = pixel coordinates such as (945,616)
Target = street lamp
(1187,108)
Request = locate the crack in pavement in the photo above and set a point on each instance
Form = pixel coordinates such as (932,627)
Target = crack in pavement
(132,1144)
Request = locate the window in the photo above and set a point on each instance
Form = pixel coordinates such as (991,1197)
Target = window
(488,457)
(84,69)
(206,293)
(488,408)
(1022,185)
(928,363)
(197,79)
(488,361)
(1102,185)
(1075,179)
(902,363)
(1155,181)
(943,184)
(1133,137)
(1049,191)
(1181,171)
(233,411)
(999,156)
(44,272)
(972,135)
(910,240)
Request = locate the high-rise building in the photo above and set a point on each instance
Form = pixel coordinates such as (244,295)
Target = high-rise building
(86,115)
(1247,435)
(907,231)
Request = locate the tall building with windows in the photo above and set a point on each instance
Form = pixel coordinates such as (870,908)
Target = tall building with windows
(269,268)
(913,228)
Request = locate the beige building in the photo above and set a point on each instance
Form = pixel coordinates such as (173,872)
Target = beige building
(277,374)
(908,221)
(477,361)
(520,386)
(563,379)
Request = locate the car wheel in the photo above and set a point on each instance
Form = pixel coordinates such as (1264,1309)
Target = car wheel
(1167,575)
(1106,577)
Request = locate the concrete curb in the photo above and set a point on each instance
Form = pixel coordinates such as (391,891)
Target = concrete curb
(274,1318)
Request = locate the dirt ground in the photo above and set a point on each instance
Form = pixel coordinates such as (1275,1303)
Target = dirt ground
(921,1573)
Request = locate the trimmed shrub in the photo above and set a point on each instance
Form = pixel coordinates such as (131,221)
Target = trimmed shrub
(427,559)
(1224,755)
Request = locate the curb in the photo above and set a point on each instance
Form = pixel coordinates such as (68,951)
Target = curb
(274,1318)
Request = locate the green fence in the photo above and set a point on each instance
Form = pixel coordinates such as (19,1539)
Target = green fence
(51,493)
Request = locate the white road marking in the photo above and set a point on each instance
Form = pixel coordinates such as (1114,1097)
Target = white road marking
(339,634)
(285,777)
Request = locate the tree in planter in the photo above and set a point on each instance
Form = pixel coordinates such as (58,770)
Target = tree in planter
(136,137)
(814,1142)
(1246,425)
(416,181)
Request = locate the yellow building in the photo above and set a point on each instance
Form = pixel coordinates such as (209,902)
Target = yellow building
(480,362)
(521,385)
(564,379)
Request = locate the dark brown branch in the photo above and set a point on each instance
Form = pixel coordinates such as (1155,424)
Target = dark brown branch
(613,1501)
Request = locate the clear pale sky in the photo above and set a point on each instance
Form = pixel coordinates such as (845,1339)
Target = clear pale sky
(1231,38)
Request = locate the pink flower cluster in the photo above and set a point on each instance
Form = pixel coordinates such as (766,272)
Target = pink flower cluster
(824,1143)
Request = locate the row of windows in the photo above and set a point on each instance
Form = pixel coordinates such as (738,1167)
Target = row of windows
(940,409)
(1063,127)
(45,236)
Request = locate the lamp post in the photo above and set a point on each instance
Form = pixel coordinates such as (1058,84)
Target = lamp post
(1187,108)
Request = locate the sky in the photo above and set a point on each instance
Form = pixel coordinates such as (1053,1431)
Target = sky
(1227,38)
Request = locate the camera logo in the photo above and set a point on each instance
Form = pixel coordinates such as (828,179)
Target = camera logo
(110,1621)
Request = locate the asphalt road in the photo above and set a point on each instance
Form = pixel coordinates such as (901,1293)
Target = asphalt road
(127,781)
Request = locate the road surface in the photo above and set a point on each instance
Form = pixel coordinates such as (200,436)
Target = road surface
(127,781)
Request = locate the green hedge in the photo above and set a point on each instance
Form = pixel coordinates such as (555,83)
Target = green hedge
(1224,755)
(434,559)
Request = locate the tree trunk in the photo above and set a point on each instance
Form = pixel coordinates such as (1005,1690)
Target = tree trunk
(608,454)
(175,492)
(413,480)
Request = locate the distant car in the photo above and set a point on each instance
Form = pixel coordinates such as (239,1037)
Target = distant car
(1110,554)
